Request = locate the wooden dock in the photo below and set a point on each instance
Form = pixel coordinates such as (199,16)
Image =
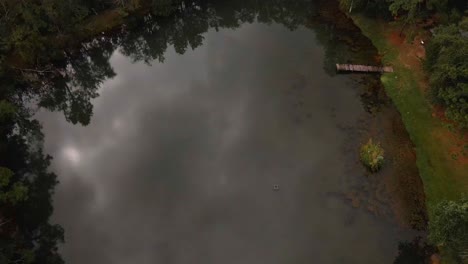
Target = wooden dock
(362,68)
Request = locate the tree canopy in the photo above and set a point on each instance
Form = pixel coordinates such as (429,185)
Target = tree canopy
(11,193)
(449,227)
(26,189)
(447,64)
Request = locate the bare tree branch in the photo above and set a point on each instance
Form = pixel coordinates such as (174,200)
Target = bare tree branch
(5,10)
(33,70)
(5,222)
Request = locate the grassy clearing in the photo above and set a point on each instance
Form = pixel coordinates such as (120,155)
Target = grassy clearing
(444,175)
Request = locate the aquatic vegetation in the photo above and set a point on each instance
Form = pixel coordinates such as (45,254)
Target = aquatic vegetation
(372,155)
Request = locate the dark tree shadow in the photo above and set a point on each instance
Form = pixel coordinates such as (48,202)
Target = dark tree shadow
(416,251)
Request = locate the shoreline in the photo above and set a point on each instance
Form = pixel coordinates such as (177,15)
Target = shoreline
(398,185)
(440,157)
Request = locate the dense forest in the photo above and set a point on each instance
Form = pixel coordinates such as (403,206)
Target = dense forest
(54,55)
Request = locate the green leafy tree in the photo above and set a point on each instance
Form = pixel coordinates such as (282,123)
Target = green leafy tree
(449,226)
(63,16)
(7,110)
(11,193)
(10,253)
(410,9)
(447,64)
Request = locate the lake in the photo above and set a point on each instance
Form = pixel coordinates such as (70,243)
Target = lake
(181,157)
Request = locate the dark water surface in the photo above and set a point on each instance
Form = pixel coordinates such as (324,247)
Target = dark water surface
(179,161)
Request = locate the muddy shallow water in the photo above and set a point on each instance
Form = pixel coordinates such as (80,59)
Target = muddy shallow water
(180,160)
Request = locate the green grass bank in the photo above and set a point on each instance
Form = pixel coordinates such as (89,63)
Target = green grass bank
(440,148)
